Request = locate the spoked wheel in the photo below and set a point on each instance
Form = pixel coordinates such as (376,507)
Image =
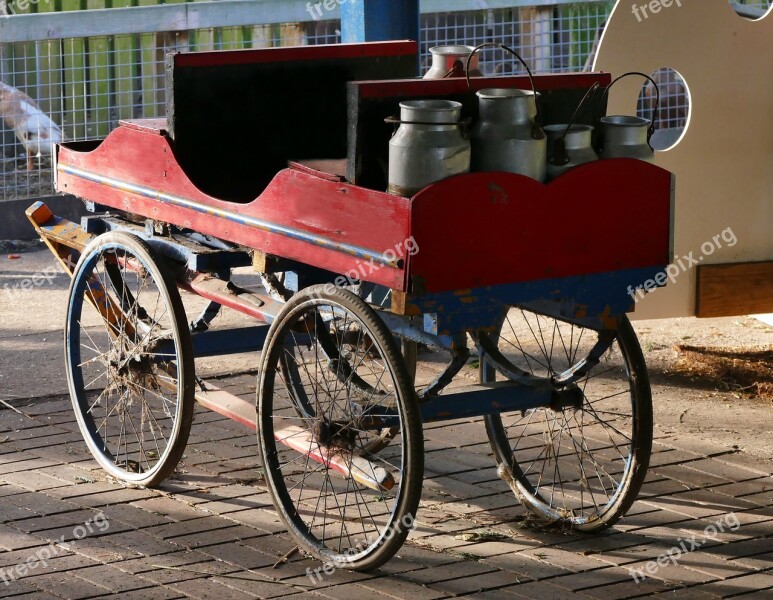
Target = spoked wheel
(331,380)
(129,360)
(580,466)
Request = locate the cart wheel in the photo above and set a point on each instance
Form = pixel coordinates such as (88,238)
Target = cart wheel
(344,504)
(581,466)
(129,360)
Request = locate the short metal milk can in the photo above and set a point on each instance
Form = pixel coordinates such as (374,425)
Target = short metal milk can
(623,136)
(568,146)
(428,147)
(449,61)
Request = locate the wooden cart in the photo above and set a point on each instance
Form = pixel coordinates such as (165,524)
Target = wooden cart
(536,279)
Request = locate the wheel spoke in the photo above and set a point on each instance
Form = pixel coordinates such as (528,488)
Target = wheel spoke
(573,465)
(334,493)
(130,397)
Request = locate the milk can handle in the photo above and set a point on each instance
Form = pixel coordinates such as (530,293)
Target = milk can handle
(536,130)
(656,110)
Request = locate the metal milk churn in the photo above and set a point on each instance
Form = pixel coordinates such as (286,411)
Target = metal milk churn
(568,146)
(626,137)
(449,61)
(506,137)
(428,147)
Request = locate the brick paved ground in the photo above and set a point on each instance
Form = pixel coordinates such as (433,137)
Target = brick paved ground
(211,531)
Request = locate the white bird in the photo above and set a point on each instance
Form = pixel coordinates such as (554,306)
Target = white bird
(35,130)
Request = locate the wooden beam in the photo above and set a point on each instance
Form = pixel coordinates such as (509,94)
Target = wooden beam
(735,289)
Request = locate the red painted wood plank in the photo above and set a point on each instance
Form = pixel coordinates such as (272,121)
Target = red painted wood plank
(453,86)
(295,53)
(486,229)
(137,172)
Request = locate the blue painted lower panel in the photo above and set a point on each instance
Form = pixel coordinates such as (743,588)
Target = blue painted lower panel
(590,299)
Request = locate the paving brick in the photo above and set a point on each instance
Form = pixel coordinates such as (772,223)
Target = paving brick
(134,516)
(11,511)
(33,480)
(690,593)
(446,572)
(399,588)
(54,522)
(43,564)
(67,586)
(592,578)
(99,549)
(13,539)
(234,533)
(260,587)
(115,496)
(21,589)
(544,590)
(141,542)
(666,570)
(114,579)
(82,489)
(26,464)
(264,520)
(747,463)
(167,507)
(424,557)
(353,590)
(243,555)
(206,589)
(148,566)
(194,572)
(684,474)
(630,589)
(43,504)
(155,593)
(525,568)
(758,585)
(475,583)
(7,490)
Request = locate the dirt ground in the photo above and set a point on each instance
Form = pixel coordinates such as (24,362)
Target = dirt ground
(689,399)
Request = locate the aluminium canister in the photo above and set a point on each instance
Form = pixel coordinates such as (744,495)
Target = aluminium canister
(579,147)
(450,61)
(505,138)
(626,137)
(429,146)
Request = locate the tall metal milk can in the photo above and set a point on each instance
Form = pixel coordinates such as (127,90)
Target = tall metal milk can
(568,146)
(506,137)
(449,61)
(626,137)
(428,147)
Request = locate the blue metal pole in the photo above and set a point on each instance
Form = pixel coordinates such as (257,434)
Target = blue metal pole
(379,20)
